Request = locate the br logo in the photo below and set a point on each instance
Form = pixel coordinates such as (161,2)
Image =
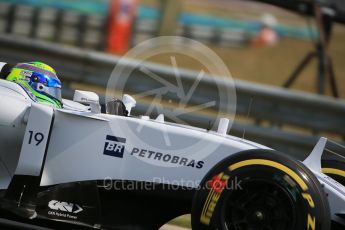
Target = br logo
(114,146)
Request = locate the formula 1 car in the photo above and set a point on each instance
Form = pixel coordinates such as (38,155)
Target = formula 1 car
(80,168)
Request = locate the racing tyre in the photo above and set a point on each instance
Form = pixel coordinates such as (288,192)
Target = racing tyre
(260,190)
(334,169)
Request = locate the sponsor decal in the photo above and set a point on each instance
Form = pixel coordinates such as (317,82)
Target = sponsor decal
(64,206)
(167,158)
(114,146)
(311,219)
(217,184)
(26,74)
(64,209)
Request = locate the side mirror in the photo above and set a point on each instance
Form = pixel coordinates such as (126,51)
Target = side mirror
(116,107)
(129,102)
(88,98)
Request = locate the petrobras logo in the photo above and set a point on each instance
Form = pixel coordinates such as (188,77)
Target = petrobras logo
(114,146)
(166,158)
(64,206)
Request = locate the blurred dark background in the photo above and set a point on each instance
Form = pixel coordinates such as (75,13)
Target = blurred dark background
(232,28)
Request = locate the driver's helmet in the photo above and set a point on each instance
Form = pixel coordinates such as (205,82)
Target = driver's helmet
(39,80)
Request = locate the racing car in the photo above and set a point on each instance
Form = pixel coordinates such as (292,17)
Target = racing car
(76,167)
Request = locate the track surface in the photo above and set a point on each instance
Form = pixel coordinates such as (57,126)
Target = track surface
(9,224)
(172,227)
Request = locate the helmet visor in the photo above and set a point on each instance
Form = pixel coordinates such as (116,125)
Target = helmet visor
(50,86)
(53,92)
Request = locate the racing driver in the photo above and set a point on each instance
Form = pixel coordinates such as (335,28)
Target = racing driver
(38,79)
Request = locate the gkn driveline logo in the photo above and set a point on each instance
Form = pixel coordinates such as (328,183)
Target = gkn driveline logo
(115,146)
(64,206)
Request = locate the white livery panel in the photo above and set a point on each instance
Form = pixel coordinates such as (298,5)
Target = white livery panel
(127,148)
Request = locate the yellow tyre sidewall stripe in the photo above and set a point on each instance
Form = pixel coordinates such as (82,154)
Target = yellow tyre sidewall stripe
(273,164)
(334,171)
